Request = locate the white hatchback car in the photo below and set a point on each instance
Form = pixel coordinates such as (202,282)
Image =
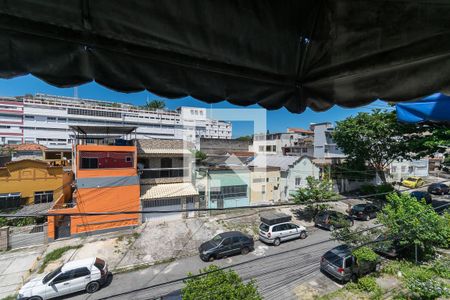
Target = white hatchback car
(277,233)
(86,274)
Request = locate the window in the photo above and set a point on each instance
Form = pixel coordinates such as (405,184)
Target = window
(95,113)
(403,169)
(89,163)
(43,197)
(261,148)
(29,118)
(268,148)
(348,262)
(225,192)
(274,148)
(62,277)
(298,181)
(106,160)
(394,169)
(80,272)
(263,189)
(236,239)
(226,242)
(10,200)
(304,150)
(51,119)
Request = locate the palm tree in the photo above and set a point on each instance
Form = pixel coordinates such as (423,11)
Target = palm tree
(154,104)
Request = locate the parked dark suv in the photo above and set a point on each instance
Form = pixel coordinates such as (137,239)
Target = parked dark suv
(343,266)
(419,195)
(226,244)
(364,211)
(332,219)
(438,189)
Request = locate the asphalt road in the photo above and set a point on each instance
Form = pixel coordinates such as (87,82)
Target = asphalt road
(277,270)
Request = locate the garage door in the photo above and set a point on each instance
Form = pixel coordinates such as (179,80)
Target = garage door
(162,205)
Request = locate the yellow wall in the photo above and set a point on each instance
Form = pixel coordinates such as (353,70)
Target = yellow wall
(29,176)
(257,186)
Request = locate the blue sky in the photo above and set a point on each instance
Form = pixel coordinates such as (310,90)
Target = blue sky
(278,120)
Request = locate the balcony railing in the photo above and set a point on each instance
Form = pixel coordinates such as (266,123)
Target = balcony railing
(153,173)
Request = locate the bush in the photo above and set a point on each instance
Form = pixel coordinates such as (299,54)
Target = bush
(365,254)
(427,289)
(218,284)
(366,284)
(441,267)
(55,255)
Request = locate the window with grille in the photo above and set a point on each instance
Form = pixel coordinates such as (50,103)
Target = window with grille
(43,197)
(226,192)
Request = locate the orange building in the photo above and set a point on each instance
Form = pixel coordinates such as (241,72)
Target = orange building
(106,181)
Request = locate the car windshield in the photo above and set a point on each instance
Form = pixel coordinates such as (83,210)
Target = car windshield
(264,227)
(217,239)
(51,275)
(418,194)
(359,207)
(412,179)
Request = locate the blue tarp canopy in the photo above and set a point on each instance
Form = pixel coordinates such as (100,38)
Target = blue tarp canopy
(433,108)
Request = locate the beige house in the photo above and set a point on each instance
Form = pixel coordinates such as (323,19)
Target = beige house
(264,185)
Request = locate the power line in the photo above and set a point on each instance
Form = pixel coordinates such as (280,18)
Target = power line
(249,261)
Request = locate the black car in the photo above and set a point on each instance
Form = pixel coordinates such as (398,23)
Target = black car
(364,211)
(331,220)
(419,195)
(226,244)
(438,189)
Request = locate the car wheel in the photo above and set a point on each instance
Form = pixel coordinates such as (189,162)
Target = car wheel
(245,251)
(211,258)
(331,228)
(277,242)
(367,218)
(35,298)
(92,287)
(354,278)
(303,235)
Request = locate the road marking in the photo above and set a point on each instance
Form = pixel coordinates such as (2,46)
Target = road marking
(170,267)
(260,250)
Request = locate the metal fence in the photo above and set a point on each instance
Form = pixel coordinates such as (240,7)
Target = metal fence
(25,236)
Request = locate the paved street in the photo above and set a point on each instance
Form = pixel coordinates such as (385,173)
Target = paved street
(277,270)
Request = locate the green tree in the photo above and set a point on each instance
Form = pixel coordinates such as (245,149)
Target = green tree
(218,284)
(356,236)
(315,191)
(245,138)
(154,104)
(374,138)
(413,222)
(200,156)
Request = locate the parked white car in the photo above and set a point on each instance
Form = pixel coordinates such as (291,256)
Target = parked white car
(277,233)
(86,274)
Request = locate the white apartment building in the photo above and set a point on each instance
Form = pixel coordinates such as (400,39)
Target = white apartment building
(324,146)
(275,143)
(45,119)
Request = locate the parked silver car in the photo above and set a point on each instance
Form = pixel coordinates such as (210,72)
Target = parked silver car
(275,234)
(343,266)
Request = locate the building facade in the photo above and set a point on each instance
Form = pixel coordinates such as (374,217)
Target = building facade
(265,185)
(165,169)
(106,180)
(293,171)
(401,169)
(273,143)
(224,186)
(26,182)
(324,146)
(45,120)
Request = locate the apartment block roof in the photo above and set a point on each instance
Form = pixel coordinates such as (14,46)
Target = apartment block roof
(26,147)
(160,146)
(299,130)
